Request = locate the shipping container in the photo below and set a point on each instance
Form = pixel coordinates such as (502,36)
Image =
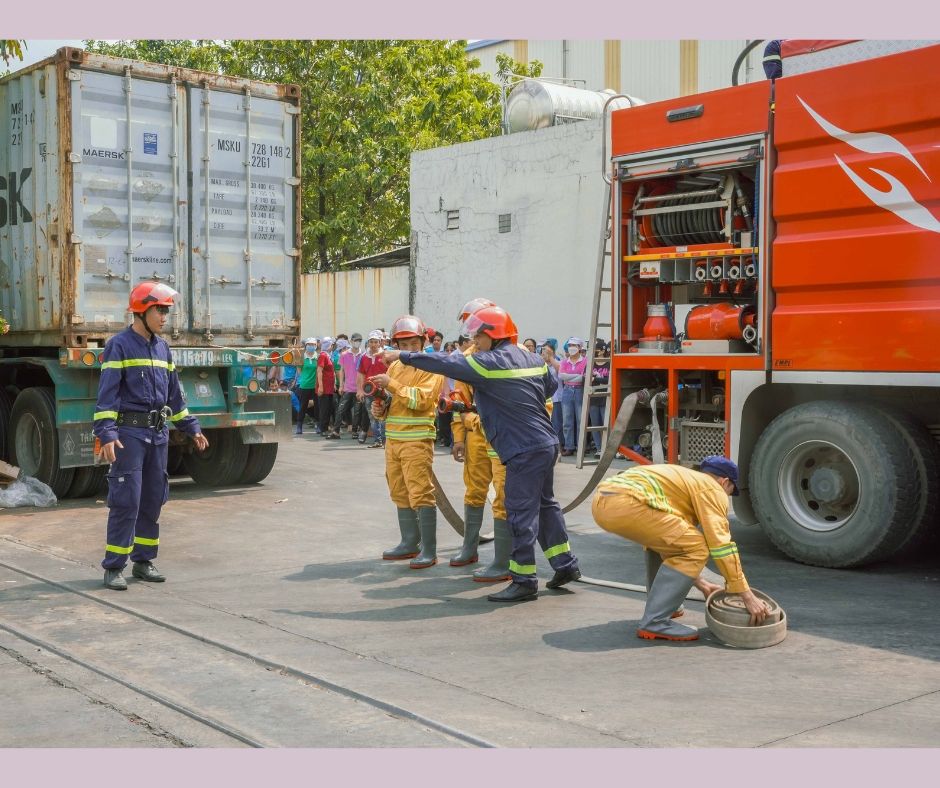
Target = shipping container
(115,172)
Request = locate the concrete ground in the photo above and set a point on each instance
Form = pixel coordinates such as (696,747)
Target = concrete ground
(289,570)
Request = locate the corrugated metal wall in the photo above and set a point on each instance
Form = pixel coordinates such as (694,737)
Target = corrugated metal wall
(715,61)
(349,301)
(650,69)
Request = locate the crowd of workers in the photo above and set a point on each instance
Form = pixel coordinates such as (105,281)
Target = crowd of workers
(501,396)
(327,391)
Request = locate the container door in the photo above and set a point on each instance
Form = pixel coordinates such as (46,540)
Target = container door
(127,193)
(242,214)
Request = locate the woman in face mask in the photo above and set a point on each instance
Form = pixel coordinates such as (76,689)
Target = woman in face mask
(571,374)
(308,381)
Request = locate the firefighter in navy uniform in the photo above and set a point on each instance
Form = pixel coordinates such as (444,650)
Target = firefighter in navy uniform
(139,392)
(511,386)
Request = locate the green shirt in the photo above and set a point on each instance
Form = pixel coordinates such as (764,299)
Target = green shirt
(308,377)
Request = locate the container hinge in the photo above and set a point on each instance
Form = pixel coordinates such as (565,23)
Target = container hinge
(75,76)
(292,181)
(753,154)
(293,252)
(290,109)
(684,164)
(75,158)
(263,283)
(222,281)
(77,320)
(155,277)
(76,239)
(111,276)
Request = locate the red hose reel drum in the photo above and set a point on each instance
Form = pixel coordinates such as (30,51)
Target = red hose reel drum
(720,321)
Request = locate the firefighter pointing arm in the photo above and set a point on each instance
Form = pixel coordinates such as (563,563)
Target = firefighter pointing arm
(138,394)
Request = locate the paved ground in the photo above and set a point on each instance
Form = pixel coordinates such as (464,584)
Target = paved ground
(288,571)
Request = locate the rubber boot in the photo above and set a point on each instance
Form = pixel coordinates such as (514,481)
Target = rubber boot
(427,521)
(665,595)
(473,522)
(410,542)
(653,561)
(502,548)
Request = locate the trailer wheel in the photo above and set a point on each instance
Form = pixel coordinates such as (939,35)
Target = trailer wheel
(923,534)
(835,484)
(6,406)
(261,457)
(88,481)
(222,463)
(174,461)
(33,441)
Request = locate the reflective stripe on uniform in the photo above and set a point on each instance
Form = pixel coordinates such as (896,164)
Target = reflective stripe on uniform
(412,393)
(409,435)
(106,414)
(114,549)
(422,420)
(138,362)
(558,549)
(181,415)
(521,569)
(772,57)
(531,372)
(141,540)
(492,454)
(724,551)
(646,486)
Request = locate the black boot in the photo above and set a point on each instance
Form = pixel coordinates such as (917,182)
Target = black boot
(563,576)
(114,579)
(515,593)
(144,570)
(410,542)
(427,522)
(473,522)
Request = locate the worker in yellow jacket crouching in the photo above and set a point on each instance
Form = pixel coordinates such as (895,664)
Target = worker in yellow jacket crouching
(408,408)
(658,506)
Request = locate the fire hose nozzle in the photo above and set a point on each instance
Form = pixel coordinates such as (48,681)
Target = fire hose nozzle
(371,390)
(455,402)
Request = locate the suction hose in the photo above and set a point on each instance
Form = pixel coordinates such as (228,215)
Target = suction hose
(741,58)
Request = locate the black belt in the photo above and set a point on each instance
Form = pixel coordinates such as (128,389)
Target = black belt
(154,419)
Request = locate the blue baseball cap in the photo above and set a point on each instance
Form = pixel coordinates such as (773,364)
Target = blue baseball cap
(721,467)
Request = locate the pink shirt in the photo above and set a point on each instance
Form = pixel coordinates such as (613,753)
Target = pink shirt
(573,369)
(348,361)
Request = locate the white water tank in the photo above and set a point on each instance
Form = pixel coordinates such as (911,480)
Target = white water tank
(536,104)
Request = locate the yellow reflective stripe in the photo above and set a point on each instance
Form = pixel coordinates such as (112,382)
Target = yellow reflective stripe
(181,415)
(141,540)
(428,420)
(521,569)
(772,57)
(558,549)
(531,372)
(405,435)
(492,454)
(724,551)
(110,548)
(138,362)
(106,414)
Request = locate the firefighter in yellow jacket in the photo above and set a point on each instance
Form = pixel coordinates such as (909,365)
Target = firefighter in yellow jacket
(408,409)
(658,506)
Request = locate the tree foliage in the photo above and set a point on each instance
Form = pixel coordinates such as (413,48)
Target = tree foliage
(366,107)
(10,48)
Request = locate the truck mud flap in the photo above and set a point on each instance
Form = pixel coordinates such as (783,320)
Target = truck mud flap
(77,445)
(281,430)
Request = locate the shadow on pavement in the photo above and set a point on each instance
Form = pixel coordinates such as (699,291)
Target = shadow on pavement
(614,636)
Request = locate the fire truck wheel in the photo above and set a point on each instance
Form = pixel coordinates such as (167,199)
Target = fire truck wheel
(6,406)
(222,463)
(261,457)
(924,536)
(88,480)
(174,461)
(835,484)
(33,441)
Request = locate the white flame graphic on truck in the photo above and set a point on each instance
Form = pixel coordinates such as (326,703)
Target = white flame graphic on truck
(898,198)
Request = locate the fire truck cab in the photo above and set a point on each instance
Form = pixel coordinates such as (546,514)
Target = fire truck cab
(778,277)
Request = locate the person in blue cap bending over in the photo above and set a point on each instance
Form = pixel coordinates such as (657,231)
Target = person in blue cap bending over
(659,506)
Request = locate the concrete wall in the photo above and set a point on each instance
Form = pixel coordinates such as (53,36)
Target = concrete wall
(348,301)
(543,270)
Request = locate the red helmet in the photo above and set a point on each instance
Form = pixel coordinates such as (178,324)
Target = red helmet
(472,306)
(493,321)
(150,294)
(408,326)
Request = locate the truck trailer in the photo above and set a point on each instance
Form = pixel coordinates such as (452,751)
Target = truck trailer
(777,282)
(115,172)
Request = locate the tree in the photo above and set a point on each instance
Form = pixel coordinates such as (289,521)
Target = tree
(366,107)
(10,48)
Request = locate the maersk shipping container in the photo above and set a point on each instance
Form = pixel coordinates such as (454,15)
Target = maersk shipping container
(108,178)
(115,172)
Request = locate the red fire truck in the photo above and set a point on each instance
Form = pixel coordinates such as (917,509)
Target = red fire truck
(779,279)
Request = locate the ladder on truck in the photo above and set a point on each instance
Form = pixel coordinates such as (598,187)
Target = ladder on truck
(602,281)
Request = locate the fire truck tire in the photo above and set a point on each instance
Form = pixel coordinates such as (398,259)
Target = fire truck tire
(88,481)
(222,463)
(261,457)
(924,535)
(33,440)
(6,407)
(174,461)
(835,484)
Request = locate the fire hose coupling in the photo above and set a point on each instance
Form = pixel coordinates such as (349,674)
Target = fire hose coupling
(370,389)
(455,402)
